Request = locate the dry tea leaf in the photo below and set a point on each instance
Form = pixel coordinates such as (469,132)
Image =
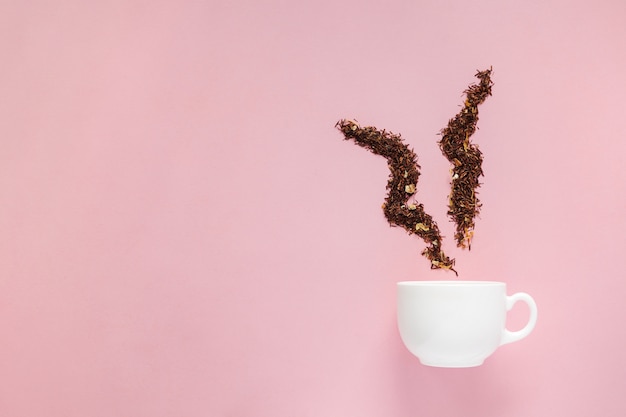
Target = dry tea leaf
(466,159)
(404,173)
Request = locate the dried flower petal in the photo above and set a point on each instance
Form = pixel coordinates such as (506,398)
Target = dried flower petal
(421,227)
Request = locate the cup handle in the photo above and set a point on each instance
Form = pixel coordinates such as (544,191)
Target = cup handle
(509,336)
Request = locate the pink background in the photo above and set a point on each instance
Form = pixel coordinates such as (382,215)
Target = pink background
(184,233)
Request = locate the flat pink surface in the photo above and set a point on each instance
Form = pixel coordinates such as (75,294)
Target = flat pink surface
(184,233)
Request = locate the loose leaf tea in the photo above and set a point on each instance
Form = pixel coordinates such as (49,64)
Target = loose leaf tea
(401,186)
(466,159)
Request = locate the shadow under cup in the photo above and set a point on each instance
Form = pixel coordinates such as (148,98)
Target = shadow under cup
(457,323)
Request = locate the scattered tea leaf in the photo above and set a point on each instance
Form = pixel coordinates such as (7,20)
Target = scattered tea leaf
(404,173)
(466,159)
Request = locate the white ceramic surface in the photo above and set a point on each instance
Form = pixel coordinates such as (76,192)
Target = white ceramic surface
(457,324)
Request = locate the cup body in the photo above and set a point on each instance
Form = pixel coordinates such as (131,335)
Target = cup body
(454,323)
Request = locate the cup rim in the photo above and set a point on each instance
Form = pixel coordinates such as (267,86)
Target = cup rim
(450,283)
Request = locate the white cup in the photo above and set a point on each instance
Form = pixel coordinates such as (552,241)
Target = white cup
(457,324)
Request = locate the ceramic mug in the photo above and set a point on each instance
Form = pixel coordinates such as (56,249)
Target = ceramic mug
(457,324)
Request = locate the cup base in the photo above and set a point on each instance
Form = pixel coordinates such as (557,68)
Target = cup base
(451,364)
